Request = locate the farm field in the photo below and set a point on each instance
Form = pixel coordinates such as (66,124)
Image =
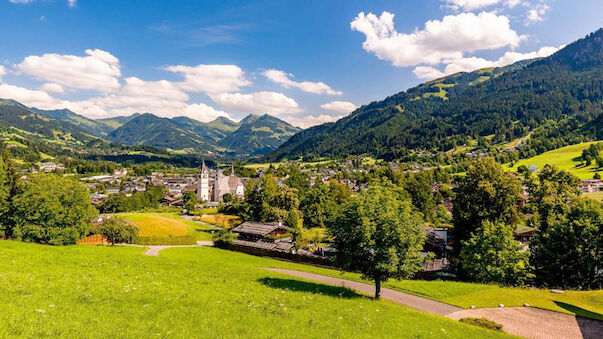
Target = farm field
(566,158)
(164,225)
(596,195)
(76,291)
(221,220)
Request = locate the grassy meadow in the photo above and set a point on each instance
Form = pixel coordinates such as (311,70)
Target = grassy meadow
(165,225)
(83,291)
(221,220)
(567,158)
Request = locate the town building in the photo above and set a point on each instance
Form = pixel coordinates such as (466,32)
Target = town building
(214,190)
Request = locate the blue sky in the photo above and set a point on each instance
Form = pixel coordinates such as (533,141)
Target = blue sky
(303,61)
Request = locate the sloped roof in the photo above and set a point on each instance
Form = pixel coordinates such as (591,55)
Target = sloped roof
(257,228)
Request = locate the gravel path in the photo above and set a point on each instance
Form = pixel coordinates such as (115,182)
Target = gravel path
(526,322)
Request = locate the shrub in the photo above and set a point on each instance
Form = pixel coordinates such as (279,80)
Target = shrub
(118,230)
(482,322)
(224,237)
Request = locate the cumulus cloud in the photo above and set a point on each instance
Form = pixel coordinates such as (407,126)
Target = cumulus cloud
(21,1)
(311,120)
(71,3)
(473,63)
(51,87)
(537,13)
(33,98)
(442,39)
(2,72)
(471,5)
(284,80)
(343,107)
(259,102)
(211,79)
(99,70)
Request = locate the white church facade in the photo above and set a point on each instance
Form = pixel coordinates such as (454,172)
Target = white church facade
(214,189)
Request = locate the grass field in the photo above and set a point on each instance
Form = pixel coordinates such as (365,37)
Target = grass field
(567,158)
(109,292)
(597,195)
(221,220)
(167,225)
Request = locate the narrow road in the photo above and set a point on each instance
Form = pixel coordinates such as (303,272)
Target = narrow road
(526,322)
(412,301)
(191,218)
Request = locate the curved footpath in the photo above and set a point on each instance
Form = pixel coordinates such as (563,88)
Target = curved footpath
(526,322)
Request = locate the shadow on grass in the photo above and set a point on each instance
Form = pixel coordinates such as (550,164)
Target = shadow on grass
(302,286)
(579,311)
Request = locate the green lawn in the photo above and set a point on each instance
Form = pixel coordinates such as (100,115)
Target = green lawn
(584,303)
(109,292)
(567,158)
(596,195)
(167,225)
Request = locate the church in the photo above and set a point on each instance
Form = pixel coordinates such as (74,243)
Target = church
(214,189)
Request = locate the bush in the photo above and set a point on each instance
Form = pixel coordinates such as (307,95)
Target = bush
(179,240)
(118,230)
(482,322)
(225,237)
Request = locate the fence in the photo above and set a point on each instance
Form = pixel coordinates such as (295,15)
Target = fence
(94,239)
(260,252)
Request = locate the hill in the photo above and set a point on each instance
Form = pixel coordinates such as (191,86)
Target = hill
(563,91)
(71,291)
(258,135)
(252,136)
(150,130)
(568,158)
(20,121)
(117,122)
(91,126)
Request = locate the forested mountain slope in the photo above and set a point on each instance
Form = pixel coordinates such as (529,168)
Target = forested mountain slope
(563,92)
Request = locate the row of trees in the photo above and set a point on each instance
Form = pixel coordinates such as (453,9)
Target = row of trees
(567,249)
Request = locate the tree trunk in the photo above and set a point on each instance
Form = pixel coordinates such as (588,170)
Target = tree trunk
(377,288)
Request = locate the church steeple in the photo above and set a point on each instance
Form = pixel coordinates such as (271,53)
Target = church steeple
(232,173)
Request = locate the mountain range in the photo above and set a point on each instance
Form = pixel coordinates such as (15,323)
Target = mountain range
(560,96)
(252,136)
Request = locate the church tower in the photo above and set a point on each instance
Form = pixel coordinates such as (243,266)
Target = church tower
(203,183)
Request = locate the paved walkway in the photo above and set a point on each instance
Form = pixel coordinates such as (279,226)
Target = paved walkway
(191,218)
(527,322)
(412,301)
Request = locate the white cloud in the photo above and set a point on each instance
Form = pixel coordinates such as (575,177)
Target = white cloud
(448,38)
(33,98)
(52,88)
(135,87)
(2,72)
(343,107)
(311,120)
(99,70)
(473,63)
(537,13)
(259,102)
(471,5)
(211,79)
(21,1)
(71,3)
(283,79)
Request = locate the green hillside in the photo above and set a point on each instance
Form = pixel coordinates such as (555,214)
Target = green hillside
(563,92)
(568,158)
(258,135)
(91,126)
(83,291)
(116,122)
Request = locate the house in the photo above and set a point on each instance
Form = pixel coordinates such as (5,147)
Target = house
(591,185)
(112,190)
(255,231)
(50,167)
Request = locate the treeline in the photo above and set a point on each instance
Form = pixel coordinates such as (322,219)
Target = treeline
(136,202)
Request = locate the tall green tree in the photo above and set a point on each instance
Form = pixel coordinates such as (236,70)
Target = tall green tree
(569,252)
(486,193)
(380,235)
(492,255)
(52,210)
(551,194)
(189,200)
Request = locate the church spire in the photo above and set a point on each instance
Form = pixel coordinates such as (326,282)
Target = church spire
(232,173)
